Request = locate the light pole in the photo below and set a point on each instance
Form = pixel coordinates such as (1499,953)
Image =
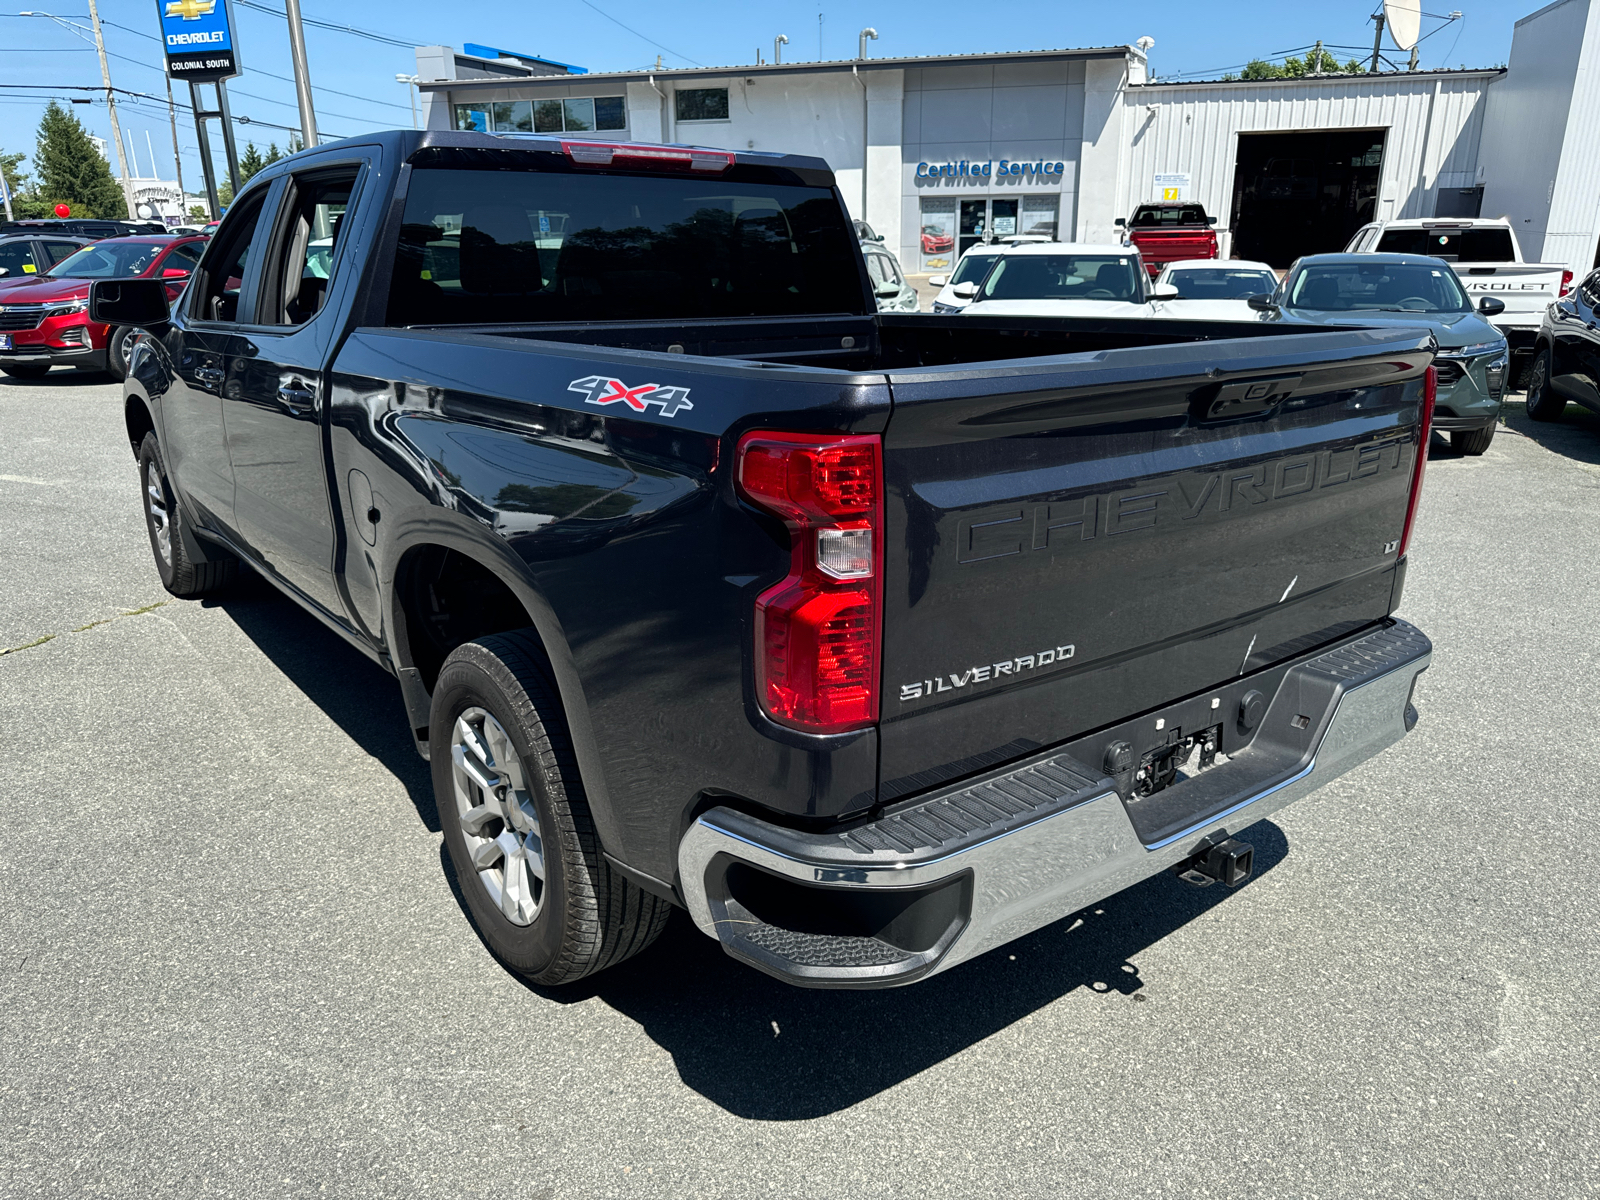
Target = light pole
(105,79)
(411,95)
(302,75)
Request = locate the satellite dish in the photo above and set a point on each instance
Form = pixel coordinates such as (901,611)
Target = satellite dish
(1404,18)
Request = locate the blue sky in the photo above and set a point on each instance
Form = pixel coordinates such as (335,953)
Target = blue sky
(357,91)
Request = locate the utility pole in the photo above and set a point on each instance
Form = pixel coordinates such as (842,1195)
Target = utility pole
(177,158)
(1377,40)
(111,104)
(302,75)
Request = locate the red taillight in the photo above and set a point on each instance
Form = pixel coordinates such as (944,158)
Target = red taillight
(642,154)
(1566,284)
(817,640)
(1430,389)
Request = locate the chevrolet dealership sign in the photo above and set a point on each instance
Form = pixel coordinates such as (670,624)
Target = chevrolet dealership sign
(199,39)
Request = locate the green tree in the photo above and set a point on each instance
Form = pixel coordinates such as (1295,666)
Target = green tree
(1317,61)
(71,169)
(197,212)
(250,162)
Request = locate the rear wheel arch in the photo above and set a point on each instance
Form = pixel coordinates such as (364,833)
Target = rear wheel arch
(437,571)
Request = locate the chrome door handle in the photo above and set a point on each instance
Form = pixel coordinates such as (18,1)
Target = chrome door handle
(209,375)
(297,399)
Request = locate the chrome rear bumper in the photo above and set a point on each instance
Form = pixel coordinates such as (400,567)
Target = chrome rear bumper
(977,865)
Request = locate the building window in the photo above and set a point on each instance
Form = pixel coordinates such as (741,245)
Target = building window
(577,115)
(703,104)
(1041,215)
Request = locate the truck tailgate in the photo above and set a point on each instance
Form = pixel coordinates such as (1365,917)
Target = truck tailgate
(1527,289)
(1079,539)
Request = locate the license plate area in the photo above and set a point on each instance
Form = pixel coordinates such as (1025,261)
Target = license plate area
(5,341)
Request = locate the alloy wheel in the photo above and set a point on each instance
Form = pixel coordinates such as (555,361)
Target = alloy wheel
(498,816)
(160,513)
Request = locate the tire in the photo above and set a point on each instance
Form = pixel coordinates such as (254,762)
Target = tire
(582,916)
(1543,404)
(119,347)
(1471,442)
(27,370)
(165,523)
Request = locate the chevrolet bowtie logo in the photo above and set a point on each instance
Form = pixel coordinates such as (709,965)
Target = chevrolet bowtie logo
(191,10)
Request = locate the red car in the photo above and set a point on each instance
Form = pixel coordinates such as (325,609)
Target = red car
(44,319)
(937,240)
(1171,231)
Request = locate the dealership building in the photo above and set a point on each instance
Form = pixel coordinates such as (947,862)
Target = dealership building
(940,153)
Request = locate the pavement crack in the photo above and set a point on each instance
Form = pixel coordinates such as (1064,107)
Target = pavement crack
(50,637)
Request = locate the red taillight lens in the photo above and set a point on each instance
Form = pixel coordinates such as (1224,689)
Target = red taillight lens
(1566,284)
(817,632)
(1430,389)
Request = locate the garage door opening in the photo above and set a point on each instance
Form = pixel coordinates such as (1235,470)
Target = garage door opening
(1303,193)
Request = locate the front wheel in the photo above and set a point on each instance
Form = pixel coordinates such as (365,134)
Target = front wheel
(163,520)
(517,823)
(1543,404)
(1472,442)
(119,350)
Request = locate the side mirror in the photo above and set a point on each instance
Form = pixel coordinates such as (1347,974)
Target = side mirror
(4,271)
(1211,220)
(887,291)
(938,281)
(1491,306)
(138,302)
(1262,302)
(1120,222)
(174,273)
(965,291)
(1164,291)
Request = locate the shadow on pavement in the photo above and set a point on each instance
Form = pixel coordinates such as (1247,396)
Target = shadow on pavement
(759,1048)
(1576,435)
(60,377)
(358,695)
(770,1052)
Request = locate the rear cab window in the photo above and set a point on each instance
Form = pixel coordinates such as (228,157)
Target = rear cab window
(1161,216)
(490,246)
(1453,244)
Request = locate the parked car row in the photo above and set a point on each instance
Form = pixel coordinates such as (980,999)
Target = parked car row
(44,314)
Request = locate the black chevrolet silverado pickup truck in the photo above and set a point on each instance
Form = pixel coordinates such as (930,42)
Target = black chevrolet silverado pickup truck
(873,641)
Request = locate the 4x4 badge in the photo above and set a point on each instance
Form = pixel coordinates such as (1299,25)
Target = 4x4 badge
(597,389)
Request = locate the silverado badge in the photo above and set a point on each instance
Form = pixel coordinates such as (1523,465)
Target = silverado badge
(597,389)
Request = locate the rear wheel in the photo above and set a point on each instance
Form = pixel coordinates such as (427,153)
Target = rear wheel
(163,519)
(1543,404)
(517,823)
(1471,441)
(27,370)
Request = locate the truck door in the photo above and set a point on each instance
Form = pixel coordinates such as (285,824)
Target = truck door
(204,337)
(276,406)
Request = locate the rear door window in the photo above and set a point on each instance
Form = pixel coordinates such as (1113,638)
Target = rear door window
(17,258)
(489,246)
(1488,244)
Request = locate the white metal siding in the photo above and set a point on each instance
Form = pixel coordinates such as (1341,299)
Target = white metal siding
(1195,128)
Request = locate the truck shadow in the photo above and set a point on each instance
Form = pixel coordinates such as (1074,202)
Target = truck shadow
(755,1047)
(770,1052)
(1576,435)
(355,693)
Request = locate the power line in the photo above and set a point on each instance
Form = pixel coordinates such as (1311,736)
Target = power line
(631,30)
(350,29)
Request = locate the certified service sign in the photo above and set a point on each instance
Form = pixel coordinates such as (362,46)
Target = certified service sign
(199,39)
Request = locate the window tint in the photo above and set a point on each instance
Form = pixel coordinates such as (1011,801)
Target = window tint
(17,258)
(1488,244)
(702,104)
(971,268)
(503,246)
(296,286)
(1154,216)
(1219,283)
(1064,277)
(216,292)
(183,258)
(1378,286)
(60,251)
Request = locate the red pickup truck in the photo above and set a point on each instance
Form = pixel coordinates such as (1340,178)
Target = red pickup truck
(1169,232)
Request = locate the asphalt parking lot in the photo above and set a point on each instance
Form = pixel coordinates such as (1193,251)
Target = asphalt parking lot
(232,962)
